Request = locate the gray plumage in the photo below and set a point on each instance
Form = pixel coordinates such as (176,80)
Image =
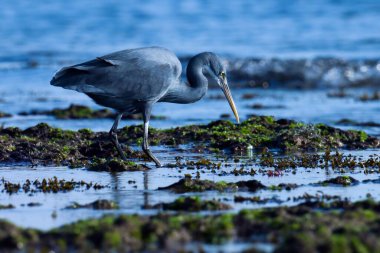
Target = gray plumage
(131,81)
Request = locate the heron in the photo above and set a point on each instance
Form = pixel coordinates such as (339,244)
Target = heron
(133,80)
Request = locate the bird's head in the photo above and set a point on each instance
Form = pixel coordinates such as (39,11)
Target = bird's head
(217,72)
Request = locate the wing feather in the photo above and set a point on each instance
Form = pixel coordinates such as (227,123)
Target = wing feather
(108,61)
(141,74)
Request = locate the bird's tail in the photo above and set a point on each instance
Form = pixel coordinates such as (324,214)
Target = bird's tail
(68,76)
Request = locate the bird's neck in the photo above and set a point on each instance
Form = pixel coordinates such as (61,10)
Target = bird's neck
(195,87)
(197,82)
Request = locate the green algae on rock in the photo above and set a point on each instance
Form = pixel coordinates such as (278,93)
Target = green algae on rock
(85,112)
(80,112)
(101,204)
(9,206)
(256,199)
(341,180)
(115,165)
(5,115)
(334,160)
(317,198)
(46,145)
(288,229)
(349,122)
(192,204)
(50,185)
(283,186)
(375,96)
(259,131)
(32,204)
(258,106)
(197,185)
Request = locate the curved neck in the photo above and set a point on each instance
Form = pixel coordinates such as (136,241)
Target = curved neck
(195,88)
(194,72)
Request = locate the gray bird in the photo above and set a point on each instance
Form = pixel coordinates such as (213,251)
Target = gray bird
(133,80)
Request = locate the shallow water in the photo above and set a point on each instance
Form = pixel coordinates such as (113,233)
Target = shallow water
(132,197)
(309,106)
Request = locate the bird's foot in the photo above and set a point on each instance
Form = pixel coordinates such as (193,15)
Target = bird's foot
(156,161)
(151,156)
(115,141)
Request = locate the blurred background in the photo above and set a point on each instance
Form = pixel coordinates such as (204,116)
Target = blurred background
(314,61)
(273,28)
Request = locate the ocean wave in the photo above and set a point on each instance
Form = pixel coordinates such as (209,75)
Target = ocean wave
(305,73)
(320,72)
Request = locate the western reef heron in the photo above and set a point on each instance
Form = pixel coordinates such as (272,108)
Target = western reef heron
(132,81)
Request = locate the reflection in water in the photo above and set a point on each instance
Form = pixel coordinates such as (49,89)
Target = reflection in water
(114,184)
(146,189)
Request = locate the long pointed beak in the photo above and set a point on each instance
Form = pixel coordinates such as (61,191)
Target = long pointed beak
(227,93)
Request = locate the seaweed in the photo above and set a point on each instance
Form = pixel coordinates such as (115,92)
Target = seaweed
(312,227)
(349,122)
(197,185)
(5,115)
(101,204)
(341,180)
(9,206)
(256,199)
(192,204)
(49,185)
(85,112)
(46,145)
(115,165)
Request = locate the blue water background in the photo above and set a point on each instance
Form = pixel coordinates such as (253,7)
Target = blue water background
(272,28)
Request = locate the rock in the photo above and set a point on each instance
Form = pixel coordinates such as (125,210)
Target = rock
(101,204)
(115,165)
(197,185)
(5,115)
(341,180)
(9,206)
(85,112)
(193,204)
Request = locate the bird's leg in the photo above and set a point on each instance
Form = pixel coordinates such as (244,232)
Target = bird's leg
(113,135)
(145,144)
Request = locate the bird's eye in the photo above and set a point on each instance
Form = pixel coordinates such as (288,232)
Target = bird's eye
(222,74)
